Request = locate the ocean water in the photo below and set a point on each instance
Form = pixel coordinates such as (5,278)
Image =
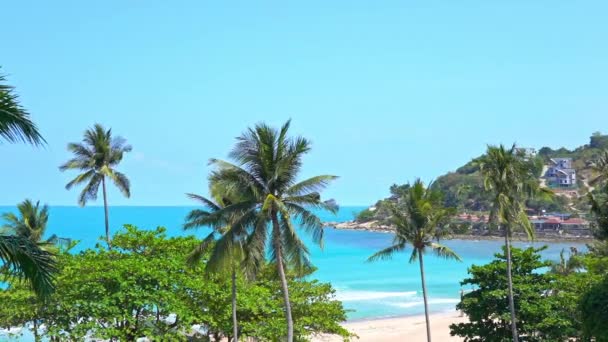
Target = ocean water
(368,290)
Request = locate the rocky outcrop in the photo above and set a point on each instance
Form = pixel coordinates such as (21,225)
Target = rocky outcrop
(373,226)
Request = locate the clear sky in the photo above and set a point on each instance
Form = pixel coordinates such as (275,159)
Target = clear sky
(386,90)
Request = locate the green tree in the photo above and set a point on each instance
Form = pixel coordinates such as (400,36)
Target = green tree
(143,288)
(268,162)
(97,156)
(542,315)
(594,307)
(420,220)
(30,224)
(227,252)
(510,181)
(15,122)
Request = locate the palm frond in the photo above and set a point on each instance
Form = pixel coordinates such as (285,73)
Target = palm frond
(444,251)
(199,251)
(15,122)
(204,201)
(310,222)
(120,180)
(89,192)
(387,253)
(26,260)
(80,179)
(313,184)
(296,252)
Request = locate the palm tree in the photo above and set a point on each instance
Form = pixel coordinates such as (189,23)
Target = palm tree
(25,259)
(567,266)
(15,122)
(267,163)
(419,220)
(21,257)
(510,180)
(97,156)
(227,252)
(31,223)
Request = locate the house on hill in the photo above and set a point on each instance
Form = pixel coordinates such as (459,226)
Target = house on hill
(561,173)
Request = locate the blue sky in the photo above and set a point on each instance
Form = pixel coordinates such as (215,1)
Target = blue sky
(386,90)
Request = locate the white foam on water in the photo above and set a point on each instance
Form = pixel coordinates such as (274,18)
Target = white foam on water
(348,295)
(431,302)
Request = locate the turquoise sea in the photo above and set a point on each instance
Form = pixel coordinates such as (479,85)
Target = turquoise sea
(370,290)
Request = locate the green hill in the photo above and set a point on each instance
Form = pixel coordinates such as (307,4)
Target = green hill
(463,188)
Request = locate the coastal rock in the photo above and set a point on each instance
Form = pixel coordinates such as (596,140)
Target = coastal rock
(374,226)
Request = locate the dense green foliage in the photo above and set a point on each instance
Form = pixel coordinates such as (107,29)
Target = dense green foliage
(487,306)
(550,306)
(594,309)
(142,287)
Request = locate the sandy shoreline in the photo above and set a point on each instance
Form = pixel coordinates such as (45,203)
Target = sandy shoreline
(516,237)
(411,328)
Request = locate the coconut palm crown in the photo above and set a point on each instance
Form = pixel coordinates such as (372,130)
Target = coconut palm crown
(420,220)
(266,165)
(31,222)
(97,157)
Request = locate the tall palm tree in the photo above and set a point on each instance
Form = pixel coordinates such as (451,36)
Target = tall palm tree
(511,181)
(15,122)
(97,156)
(30,224)
(225,255)
(267,164)
(420,220)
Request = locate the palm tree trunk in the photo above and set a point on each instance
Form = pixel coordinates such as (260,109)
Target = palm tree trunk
(426,304)
(277,240)
(510,284)
(235,328)
(36,336)
(105,206)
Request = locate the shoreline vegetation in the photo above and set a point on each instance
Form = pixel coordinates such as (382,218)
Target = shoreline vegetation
(373,226)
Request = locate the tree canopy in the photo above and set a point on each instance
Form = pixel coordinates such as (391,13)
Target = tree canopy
(143,287)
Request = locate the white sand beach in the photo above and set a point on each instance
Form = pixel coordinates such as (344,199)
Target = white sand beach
(400,329)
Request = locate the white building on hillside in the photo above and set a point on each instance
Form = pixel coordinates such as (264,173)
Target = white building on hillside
(561,173)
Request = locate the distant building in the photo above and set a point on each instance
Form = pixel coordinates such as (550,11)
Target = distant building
(527,152)
(543,225)
(561,173)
